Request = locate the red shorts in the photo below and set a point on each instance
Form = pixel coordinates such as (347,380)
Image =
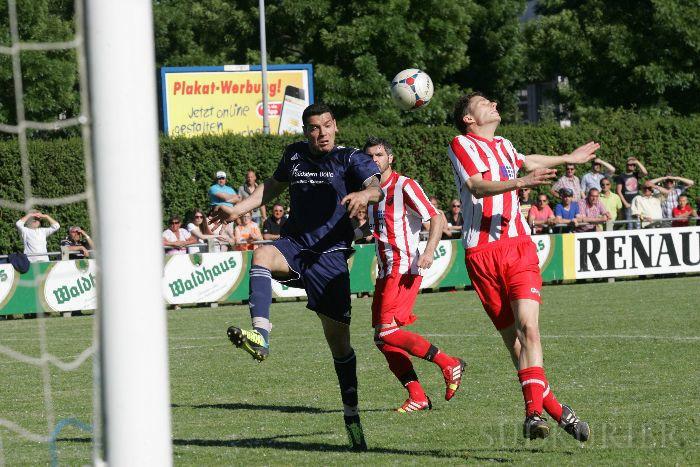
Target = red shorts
(394,296)
(504,271)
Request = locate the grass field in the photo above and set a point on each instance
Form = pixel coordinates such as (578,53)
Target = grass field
(624,355)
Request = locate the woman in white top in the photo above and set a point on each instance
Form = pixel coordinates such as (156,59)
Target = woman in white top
(175,238)
(199,228)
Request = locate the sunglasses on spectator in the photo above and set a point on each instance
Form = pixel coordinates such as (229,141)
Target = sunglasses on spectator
(456,205)
(198,217)
(541,200)
(174,222)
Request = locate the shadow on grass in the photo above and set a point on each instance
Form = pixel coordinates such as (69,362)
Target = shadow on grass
(279,442)
(271,408)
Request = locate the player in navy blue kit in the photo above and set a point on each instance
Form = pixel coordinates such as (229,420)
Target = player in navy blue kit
(328,185)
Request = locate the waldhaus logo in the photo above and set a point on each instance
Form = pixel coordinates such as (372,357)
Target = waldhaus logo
(200,277)
(66,293)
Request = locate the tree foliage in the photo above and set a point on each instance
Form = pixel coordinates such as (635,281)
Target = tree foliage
(626,53)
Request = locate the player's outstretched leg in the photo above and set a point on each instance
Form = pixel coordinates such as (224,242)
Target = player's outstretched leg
(416,345)
(400,365)
(338,337)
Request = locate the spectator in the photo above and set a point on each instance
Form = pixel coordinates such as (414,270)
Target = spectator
(245,190)
(566,212)
(525,203)
(628,187)
(34,236)
(220,194)
(199,228)
(646,207)
(541,217)
(592,212)
(592,179)
(611,201)
(568,180)
(79,242)
(361,221)
(682,212)
(246,233)
(454,219)
(671,192)
(446,232)
(175,238)
(273,224)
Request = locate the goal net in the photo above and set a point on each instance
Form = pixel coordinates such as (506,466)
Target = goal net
(94,389)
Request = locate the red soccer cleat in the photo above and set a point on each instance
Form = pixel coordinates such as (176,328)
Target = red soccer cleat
(453,377)
(413,406)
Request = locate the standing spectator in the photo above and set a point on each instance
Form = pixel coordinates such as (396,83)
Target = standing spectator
(34,236)
(568,180)
(245,190)
(628,186)
(246,233)
(175,238)
(454,219)
(220,194)
(273,224)
(682,212)
(79,242)
(199,228)
(566,212)
(592,212)
(647,207)
(541,217)
(363,227)
(671,192)
(446,232)
(525,203)
(611,201)
(592,179)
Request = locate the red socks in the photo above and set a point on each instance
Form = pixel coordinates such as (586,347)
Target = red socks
(412,343)
(537,393)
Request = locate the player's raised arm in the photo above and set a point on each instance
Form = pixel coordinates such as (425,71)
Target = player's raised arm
(580,155)
(481,188)
(370,194)
(263,193)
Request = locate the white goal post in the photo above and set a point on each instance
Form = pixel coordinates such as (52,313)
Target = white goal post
(133,332)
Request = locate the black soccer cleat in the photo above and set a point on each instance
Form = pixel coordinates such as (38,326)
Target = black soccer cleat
(535,427)
(355,434)
(573,425)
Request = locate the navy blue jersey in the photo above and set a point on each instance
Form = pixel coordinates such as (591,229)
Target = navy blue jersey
(316,185)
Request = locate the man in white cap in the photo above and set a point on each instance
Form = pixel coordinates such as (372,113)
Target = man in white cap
(220,194)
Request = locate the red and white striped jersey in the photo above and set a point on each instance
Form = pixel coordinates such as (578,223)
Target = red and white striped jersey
(490,218)
(395,223)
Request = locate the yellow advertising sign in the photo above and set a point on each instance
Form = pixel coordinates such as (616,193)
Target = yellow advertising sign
(215,100)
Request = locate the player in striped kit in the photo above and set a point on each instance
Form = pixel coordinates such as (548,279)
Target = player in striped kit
(395,222)
(500,257)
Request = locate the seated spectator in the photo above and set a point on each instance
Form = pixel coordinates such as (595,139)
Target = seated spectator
(611,201)
(247,189)
(566,212)
(272,226)
(175,238)
(446,232)
(671,189)
(647,207)
(592,179)
(568,180)
(454,219)
(592,212)
(361,222)
(682,212)
(220,194)
(78,242)
(525,203)
(246,233)
(541,217)
(199,228)
(34,235)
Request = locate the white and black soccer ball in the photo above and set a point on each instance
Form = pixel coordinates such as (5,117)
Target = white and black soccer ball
(411,89)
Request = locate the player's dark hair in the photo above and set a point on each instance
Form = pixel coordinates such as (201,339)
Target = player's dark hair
(461,109)
(376,141)
(315,109)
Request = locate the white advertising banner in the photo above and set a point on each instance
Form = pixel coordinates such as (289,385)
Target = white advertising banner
(637,252)
(7,281)
(71,285)
(206,277)
(442,260)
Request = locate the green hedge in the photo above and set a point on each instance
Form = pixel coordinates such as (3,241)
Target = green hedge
(668,144)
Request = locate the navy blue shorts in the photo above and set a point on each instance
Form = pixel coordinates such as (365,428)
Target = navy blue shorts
(325,277)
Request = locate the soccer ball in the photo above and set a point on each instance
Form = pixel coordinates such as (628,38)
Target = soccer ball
(411,89)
